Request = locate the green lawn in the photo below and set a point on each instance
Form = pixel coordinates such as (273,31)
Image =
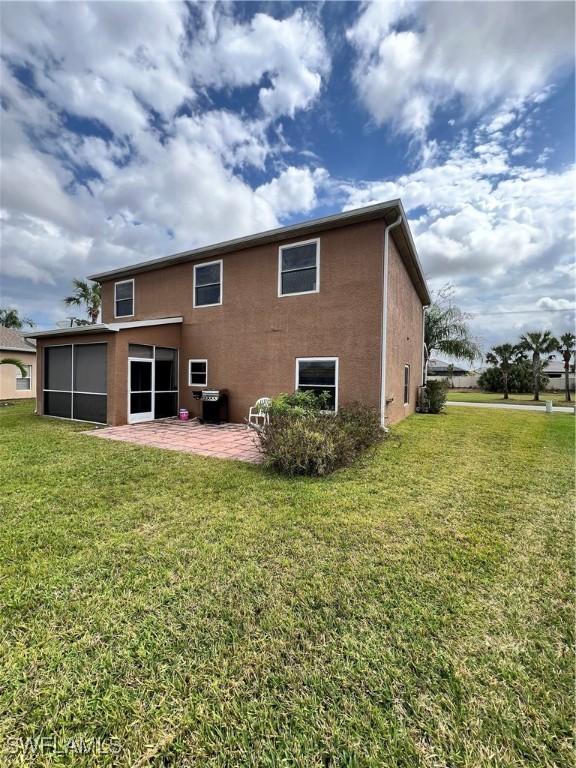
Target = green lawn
(414,611)
(475,396)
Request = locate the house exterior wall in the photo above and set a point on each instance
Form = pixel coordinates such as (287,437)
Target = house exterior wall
(9,373)
(404,341)
(252,340)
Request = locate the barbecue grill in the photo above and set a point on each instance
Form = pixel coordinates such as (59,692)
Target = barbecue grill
(214,405)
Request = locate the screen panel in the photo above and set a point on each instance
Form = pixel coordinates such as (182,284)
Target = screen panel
(165,404)
(58,404)
(90,407)
(90,366)
(58,368)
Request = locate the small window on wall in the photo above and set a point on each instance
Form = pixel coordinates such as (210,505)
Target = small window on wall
(198,373)
(406,385)
(208,284)
(298,268)
(124,298)
(24,383)
(318,375)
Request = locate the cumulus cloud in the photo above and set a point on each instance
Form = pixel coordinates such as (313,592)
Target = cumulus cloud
(107,157)
(479,53)
(290,52)
(503,234)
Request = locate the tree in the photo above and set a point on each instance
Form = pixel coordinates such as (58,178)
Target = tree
(10,318)
(18,363)
(538,344)
(446,330)
(567,348)
(503,357)
(519,378)
(88,295)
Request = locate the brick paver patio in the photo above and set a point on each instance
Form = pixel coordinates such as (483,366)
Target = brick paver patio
(224,441)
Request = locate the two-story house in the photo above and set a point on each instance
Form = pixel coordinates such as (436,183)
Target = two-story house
(335,304)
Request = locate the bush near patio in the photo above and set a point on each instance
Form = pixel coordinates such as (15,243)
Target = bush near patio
(302,438)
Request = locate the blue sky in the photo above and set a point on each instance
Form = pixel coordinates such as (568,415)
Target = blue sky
(133,130)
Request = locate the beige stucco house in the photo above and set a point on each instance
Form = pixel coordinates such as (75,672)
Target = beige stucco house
(13,346)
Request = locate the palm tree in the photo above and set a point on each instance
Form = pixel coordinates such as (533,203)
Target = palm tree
(538,343)
(18,363)
(10,318)
(567,348)
(503,357)
(88,295)
(446,330)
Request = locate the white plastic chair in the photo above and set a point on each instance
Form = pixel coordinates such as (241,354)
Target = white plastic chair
(259,411)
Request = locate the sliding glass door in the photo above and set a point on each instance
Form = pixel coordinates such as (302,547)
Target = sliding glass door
(152,383)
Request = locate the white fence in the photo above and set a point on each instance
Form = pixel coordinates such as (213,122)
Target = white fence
(471,382)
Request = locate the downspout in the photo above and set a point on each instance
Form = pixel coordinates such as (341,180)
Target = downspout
(424,347)
(385,321)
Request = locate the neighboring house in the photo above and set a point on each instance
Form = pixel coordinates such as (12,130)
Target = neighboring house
(14,346)
(440,369)
(317,305)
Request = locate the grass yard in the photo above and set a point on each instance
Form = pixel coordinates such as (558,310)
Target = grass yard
(414,611)
(475,396)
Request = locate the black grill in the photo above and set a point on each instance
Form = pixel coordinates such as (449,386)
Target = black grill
(214,406)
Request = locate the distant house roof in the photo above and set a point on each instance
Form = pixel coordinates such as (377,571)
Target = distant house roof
(14,341)
(388,212)
(441,368)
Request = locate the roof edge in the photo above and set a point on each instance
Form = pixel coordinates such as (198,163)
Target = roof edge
(239,243)
(386,211)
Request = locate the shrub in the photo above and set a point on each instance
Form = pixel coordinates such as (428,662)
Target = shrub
(433,396)
(519,379)
(301,439)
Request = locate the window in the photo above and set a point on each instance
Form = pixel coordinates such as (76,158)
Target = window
(406,384)
(124,298)
(198,373)
(319,374)
(24,383)
(208,284)
(75,382)
(299,268)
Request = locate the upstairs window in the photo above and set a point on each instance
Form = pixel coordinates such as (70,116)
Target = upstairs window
(124,298)
(299,268)
(406,385)
(24,383)
(319,374)
(208,284)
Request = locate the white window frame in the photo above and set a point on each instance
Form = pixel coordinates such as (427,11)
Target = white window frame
(29,377)
(123,282)
(197,360)
(286,246)
(336,374)
(208,264)
(406,388)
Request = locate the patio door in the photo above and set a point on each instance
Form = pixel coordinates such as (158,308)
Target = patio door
(140,390)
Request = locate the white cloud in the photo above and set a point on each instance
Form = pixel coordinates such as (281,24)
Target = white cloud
(167,176)
(290,52)
(293,190)
(481,53)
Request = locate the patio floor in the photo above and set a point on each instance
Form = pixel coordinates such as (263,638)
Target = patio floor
(223,441)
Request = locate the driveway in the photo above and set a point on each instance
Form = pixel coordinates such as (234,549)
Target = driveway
(222,441)
(506,406)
